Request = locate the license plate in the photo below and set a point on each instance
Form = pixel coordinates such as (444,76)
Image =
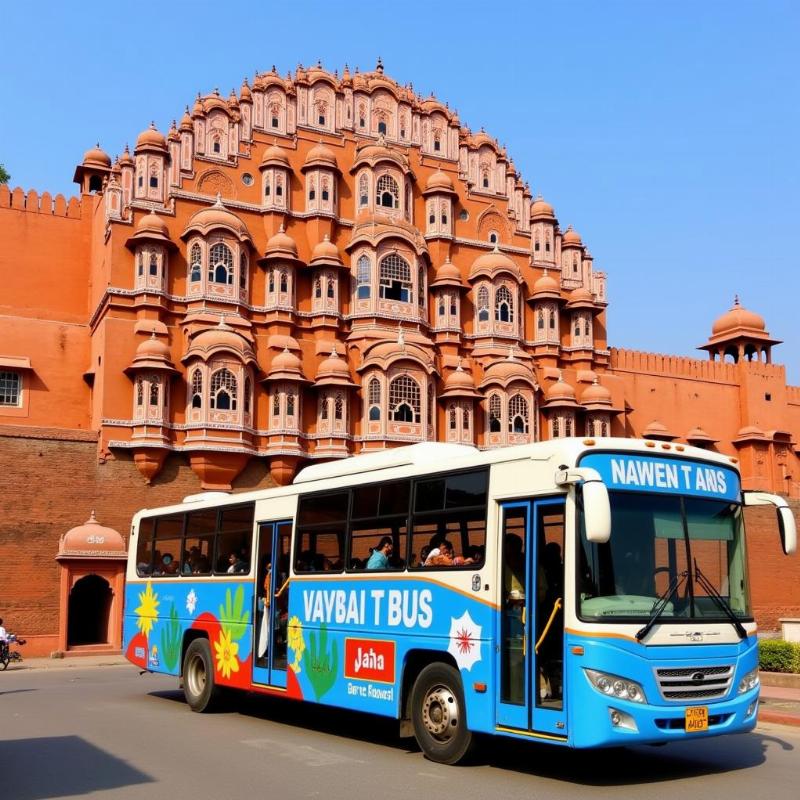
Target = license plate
(696,719)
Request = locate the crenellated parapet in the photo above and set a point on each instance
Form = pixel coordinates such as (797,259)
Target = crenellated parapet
(33,202)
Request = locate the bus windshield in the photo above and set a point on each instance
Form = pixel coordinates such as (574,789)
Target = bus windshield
(655,540)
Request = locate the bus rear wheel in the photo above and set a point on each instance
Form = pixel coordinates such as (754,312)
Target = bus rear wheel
(199,687)
(438,714)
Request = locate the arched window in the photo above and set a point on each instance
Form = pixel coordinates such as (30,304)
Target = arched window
(267,187)
(453,306)
(604,429)
(317,287)
(374,399)
(197,389)
(552,319)
(363,278)
(325,189)
(404,400)
(338,407)
(431,213)
(395,278)
(290,404)
(276,405)
(331,286)
(242,272)
(483,304)
(279,186)
(555,428)
(536,245)
(155,391)
(154,177)
(493,238)
(421,287)
(312,190)
(437,140)
(451,412)
(363,190)
(140,264)
(518,414)
(223,390)
(575,263)
(284,281)
(495,414)
(382,127)
(195,263)
(153,264)
(220,266)
(465,418)
(140,391)
(587,332)
(568,426)
(503,305)
(540,320)
(441,306)
(247,391)
(323,407)
(387,192)
(485,178)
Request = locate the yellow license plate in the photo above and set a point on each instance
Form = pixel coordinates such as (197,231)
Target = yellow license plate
(696,719)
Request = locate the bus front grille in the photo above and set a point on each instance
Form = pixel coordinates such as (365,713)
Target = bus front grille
(694,683)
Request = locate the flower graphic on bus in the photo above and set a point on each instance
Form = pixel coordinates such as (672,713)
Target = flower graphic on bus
(147,611)
(191,601)
(227,652)
(294,634)
(465,641)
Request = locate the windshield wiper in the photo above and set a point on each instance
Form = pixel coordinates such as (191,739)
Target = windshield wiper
(721,602)
(661,603)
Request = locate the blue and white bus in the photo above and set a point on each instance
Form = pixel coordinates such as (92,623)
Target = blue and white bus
(585,592)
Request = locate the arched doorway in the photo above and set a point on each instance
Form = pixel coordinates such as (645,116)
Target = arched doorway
(88,611)
(92,561)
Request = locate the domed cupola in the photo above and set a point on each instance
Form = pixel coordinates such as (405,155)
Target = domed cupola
(740,335)
(93,169)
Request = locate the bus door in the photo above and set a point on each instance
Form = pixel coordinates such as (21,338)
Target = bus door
(531,651)
(270,615)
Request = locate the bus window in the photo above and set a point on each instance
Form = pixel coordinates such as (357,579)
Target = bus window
(144,548)
(235,540)
(449,521)
(379,512)
(321,527)
(198,546)
(168,545)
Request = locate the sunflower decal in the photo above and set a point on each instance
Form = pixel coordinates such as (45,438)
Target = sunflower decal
(147,611)
(295,641)
(227,654)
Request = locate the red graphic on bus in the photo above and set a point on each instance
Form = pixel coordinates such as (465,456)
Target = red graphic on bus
(369,660)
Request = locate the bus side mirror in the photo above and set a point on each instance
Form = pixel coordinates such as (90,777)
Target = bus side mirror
(596,505)
(786,523)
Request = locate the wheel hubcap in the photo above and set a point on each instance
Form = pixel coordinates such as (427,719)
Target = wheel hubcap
(440,713)
(197,676)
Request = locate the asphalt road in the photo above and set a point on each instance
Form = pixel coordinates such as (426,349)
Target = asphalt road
(108,732)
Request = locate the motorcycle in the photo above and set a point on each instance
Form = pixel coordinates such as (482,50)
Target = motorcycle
(7,655)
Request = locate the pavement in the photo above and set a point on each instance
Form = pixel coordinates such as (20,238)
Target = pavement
(779,704)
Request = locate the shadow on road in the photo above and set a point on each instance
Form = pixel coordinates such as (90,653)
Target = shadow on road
(607,767)
(57,766)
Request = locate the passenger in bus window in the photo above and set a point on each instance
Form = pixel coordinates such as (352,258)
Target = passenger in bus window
(235,564)
(380,555)
(515,568)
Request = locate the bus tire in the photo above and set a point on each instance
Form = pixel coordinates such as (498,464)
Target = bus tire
(438,714)
(199,687)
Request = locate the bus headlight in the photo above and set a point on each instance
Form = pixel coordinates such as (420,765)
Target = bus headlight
(614,686)
(749,681)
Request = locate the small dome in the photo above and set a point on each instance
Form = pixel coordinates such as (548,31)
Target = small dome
(286,366)
(275,156)
(216,216)
(220,337)
(126,159)
(325,252)
(439,182)
(657,430)
(750,432)
(459,383)
(281,244)
(153,348)
(96,157)
(560,391)
(152,138)
(186,121)
(508,370)
(580,298)
(699,436)
(546,286)
(738,317)
(448,274)
(152,353)
(320,156)
(333,371)
(245,95)
(489,264)
(596,395)
(571,238)
(91,540)
(542,209)
(151,228)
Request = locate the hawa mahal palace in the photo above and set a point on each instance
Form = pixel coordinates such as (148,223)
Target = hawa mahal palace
(317,266)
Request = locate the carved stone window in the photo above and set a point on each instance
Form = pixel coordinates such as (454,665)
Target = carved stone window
(404,400)
(395,279)
(223,390)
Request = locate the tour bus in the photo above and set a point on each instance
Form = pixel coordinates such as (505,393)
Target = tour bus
(584,592)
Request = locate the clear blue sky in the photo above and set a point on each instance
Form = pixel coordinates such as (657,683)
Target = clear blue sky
(665,132)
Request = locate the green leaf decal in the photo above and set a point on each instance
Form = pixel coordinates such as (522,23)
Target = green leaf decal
(232,616)
(321,666)
(171,640)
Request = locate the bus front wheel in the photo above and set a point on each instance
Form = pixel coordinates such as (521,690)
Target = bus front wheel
(199,688)
(439,715)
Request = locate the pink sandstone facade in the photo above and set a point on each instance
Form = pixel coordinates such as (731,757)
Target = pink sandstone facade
(319,266)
